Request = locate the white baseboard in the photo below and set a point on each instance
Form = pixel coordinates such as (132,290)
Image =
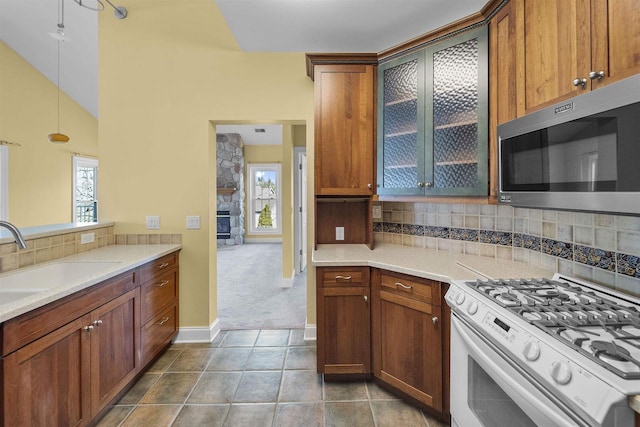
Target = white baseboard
(287,282)
(197,334)
(310,332)
(265,240)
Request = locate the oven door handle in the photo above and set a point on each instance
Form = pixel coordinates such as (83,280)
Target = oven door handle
(511,382)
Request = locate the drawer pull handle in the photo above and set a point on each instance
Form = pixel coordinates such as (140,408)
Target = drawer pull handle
(402,285)
(97,323)
(163,321)
(88,328)
(163,284)
(163,265)
(343,277)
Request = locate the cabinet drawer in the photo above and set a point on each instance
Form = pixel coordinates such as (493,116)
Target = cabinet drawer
(153,269)
(158,293)
(421,289)
(158,332)
(346,276)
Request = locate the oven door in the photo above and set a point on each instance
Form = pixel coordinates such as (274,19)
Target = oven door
(488,391)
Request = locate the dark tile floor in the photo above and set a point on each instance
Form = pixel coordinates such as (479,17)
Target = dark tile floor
(254,378)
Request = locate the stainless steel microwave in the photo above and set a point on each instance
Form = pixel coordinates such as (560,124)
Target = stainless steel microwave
(582,154)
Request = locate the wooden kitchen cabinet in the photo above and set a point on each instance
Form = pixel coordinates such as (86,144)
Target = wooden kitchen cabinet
(344,327)
(433,119)
(65,362)
(344,129)
(571,46)
(159,305)
(47,383)
(114,348)
(407,336)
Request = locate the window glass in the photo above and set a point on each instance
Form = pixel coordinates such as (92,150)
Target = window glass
(264,198)
(85,189)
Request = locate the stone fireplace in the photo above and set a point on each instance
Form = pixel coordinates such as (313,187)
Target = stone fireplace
(230,183)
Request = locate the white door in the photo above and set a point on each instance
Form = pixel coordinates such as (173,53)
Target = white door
(303,211)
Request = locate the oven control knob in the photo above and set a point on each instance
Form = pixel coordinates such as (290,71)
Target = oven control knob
(472,308)
(560,372)
(531,351)
(460,298)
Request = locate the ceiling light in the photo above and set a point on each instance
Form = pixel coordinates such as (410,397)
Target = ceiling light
(58,137)
(119,12)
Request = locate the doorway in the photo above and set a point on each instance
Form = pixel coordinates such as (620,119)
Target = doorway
(252,291)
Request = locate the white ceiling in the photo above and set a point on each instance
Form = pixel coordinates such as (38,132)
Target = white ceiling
(272,134)
(258,26)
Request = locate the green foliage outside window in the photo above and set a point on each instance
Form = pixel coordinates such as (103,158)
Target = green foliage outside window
(264,220)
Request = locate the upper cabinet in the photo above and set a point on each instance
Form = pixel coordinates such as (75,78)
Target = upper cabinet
(567,47)
(433,120)
(344,129)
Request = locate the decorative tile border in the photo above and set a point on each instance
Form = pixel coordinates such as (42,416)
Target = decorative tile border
(621,263)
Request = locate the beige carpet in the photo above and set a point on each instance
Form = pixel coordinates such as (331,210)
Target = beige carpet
(250,295)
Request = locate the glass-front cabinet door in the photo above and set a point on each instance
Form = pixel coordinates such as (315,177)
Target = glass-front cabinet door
(401,125)
(433,119)
(457,116)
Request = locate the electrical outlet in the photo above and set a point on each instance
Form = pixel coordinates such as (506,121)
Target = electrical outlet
(377,211)
(193,222)
(339,233)
(87,238)
(153,222)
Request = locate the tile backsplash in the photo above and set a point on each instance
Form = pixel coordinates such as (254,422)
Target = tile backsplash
(55,246)
(598,247)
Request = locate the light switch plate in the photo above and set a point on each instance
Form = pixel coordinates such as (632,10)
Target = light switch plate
(153,222)
(377,211)
(339,233)
(193,222)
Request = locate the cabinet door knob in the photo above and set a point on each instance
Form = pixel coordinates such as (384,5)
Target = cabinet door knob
(88,328)
(366,298)
(97,323)
(579,82)
(369,186)
(434,320)
(420,184)
(428,184)
(596,75)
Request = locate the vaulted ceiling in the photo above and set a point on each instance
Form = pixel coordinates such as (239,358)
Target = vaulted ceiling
(257,25)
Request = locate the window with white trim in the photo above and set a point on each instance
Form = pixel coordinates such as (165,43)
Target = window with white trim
(264,198)
(85,189)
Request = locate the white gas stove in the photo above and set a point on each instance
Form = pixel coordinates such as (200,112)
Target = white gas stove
(575,344)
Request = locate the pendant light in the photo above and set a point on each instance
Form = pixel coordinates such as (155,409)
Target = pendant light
(57,137)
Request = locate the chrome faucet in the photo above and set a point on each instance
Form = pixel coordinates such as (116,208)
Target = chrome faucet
(16,233)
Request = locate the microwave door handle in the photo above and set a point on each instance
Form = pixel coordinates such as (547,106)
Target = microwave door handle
(524,397)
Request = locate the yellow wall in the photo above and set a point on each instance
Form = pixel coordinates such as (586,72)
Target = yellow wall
(166,72)
(40,172)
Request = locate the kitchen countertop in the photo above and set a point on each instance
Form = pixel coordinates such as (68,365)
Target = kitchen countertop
(427,263)
(117,258)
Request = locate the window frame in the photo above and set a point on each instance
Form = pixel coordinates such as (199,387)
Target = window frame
(80,161)
(251,171)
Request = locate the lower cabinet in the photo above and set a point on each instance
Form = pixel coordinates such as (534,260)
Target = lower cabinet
(391,325)
(407,336)
(64,363)
(344,326)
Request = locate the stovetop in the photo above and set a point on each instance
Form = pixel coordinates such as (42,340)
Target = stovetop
(603,327)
